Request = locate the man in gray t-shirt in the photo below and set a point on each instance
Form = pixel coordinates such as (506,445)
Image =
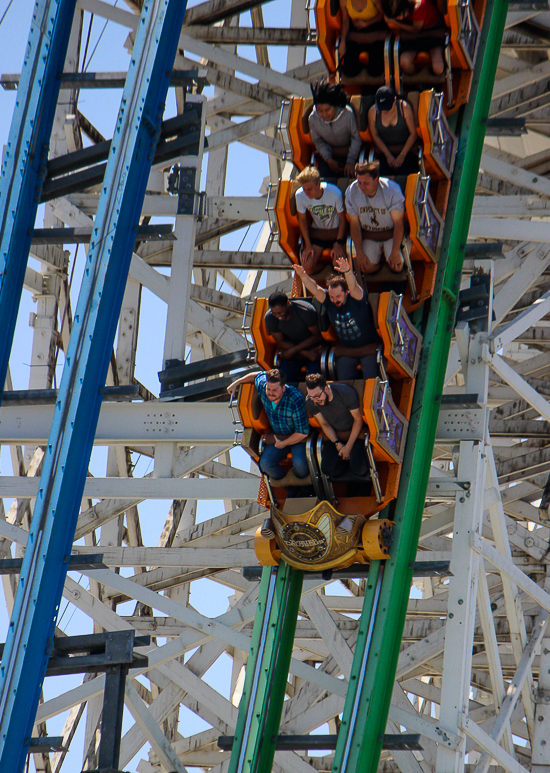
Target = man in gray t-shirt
(376,212)
(336,408)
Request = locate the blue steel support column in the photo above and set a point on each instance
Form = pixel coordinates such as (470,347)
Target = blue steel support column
(77,409)
(24,164)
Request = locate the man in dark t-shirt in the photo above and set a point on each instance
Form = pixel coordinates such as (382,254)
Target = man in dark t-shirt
(336,408)
(293,325)
(351,316)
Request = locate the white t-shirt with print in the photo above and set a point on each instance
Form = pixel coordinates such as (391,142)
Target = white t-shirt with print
(374,211)
(324,211)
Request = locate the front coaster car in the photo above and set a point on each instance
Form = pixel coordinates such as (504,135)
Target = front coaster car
(309,539)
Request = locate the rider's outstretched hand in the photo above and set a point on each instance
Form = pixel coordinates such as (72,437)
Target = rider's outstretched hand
(342,265)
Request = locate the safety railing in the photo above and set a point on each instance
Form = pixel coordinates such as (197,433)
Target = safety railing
(270,203)
(246,328)
(236,417)
(311,32)
(282,129)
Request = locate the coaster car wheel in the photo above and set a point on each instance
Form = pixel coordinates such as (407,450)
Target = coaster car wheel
(377,536)
(267,551)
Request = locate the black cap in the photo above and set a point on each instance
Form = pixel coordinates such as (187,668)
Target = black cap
(385,97)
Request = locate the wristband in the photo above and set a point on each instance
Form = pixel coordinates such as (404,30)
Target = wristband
(340,241)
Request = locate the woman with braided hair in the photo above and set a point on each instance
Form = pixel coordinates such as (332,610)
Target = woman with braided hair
(334,131)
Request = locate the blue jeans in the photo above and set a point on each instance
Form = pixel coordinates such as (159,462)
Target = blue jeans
(293,368)
(271,456)
(346,367)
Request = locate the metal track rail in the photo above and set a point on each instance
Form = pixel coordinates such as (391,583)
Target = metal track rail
(368,700)
(266,673)
(69,446)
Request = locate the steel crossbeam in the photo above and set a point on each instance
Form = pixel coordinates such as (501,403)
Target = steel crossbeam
(88,356)
(513,693)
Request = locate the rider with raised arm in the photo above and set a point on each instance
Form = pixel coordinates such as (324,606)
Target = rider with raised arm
(351,317)
(286,412)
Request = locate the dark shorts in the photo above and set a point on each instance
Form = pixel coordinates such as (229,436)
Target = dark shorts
(323,243)
(324,169)
(351,66)
(425,41)
(409,166)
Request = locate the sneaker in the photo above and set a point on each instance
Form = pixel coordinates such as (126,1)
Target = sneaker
(344,527)
(267,529)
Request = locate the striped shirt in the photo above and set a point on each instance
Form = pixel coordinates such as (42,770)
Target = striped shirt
(289,414)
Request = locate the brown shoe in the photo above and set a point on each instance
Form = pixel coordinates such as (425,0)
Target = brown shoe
(267,529)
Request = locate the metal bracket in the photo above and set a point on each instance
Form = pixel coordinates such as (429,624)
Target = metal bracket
(76,563)
(541,696)
(181,183)
(45,744)
(402,741)
(462,424)
(473,303)
(110,653)
(447,487)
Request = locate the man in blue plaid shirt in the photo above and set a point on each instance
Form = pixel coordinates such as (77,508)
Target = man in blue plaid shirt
(286,410)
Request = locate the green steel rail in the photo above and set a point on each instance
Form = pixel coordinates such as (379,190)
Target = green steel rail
(383,618)
(263,696)
(386,597)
